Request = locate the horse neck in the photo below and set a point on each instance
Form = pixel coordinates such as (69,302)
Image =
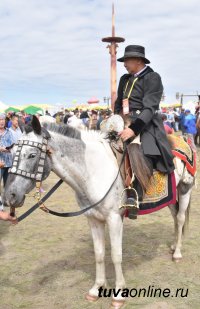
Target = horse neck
(84,164)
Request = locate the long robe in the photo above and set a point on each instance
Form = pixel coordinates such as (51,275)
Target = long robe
(146,120)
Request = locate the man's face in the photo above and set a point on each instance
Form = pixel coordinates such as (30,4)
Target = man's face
(15,122)
(133,65)
(2,123)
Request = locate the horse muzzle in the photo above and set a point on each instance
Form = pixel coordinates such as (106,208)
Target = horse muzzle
(11,199)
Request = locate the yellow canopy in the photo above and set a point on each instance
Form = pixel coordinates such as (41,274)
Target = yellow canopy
(176,104)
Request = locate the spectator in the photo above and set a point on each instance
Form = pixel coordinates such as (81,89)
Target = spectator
(190,123)
(167,127)
(47,113)
(176,118)
(58,118)
(66,117)
(85,118)
(171,118)
(72,120)
(14,129)
(181,120)
(4,215)
(197,136)
(93,121)
(8,120)
(6,140)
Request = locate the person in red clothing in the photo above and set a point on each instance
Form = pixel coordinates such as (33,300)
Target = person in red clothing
(167,127)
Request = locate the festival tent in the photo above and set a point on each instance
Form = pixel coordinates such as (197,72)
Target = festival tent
(32,110)
(88,107)
(43,106)
(172,105)
(93,100)
(11,109)
(3,106)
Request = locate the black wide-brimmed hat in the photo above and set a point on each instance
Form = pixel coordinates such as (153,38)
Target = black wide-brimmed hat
(132,51)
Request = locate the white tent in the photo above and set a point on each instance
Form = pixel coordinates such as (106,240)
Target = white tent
(3,106)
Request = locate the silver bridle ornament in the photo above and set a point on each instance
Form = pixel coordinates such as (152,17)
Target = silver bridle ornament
(43,152)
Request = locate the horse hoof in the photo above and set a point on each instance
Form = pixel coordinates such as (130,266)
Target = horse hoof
(91,298)
(117,304)
(176,260)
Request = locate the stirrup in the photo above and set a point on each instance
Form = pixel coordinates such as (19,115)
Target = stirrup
(129,206)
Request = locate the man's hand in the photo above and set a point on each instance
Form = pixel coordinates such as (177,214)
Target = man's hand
(3,149)
(7,217)
(126,134)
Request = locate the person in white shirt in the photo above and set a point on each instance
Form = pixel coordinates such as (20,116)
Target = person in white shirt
(14,129)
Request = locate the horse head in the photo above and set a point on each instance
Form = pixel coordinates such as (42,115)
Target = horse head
(31,164)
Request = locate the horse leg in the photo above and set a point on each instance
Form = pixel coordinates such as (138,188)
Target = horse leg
(115,225)
(98,235)
(184,200)
(174,211)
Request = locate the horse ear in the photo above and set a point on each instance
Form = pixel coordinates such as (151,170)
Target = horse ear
(36,125)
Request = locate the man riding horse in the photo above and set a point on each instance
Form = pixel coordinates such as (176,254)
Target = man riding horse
(139,95)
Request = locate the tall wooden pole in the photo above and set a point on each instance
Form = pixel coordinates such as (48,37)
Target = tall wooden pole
(113,40)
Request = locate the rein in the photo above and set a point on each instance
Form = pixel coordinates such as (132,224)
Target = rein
(40,203)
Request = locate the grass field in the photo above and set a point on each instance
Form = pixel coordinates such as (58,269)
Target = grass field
(48,262)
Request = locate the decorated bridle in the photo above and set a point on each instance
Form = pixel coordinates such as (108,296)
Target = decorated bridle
(40,169)
(43,147)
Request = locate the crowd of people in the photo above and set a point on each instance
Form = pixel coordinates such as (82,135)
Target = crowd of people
(183,120)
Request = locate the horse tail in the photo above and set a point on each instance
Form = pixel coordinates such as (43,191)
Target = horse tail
(139,165)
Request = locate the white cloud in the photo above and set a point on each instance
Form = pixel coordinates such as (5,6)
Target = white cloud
(51,50)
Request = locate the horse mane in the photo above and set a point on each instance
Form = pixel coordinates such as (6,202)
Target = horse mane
(63,129)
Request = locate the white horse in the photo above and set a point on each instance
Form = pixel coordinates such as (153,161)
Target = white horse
(86,163)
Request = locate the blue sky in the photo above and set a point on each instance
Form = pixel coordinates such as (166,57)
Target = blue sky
(51,50)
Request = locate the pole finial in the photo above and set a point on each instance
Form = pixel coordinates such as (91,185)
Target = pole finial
(113,20)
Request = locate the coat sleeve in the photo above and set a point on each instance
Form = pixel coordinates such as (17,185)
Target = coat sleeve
(153,90)
(118,102)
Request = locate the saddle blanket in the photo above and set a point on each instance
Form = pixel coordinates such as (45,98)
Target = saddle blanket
(161,192)
(184,151)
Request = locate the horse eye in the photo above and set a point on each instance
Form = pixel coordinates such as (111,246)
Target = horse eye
(32,155)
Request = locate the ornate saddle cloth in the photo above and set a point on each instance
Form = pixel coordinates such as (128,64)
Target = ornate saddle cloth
(184,150)
(161,192)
